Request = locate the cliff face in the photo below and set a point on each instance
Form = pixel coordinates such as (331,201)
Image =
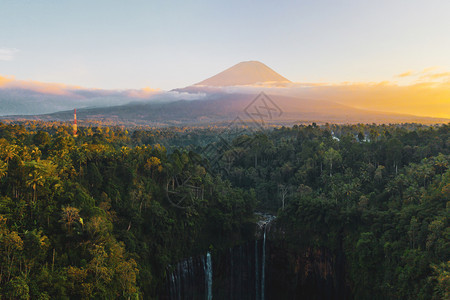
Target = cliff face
(298,269)
(305,273)
(270,267)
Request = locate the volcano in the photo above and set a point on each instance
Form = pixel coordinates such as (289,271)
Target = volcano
(230,95)
(245,73)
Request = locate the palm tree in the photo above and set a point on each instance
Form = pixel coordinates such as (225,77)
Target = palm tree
(9,152)
(69,215)
(39,172)
(35,179)
(3,169)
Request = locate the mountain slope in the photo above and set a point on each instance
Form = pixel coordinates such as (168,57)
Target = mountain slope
(245,73)
(216,100)
(222,108)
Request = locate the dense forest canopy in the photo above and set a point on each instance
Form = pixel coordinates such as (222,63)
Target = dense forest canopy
(106,214)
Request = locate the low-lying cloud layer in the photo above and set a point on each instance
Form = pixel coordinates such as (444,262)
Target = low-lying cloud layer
(71,90)
(33,97)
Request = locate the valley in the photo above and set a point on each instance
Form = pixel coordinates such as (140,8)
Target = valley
(360,211)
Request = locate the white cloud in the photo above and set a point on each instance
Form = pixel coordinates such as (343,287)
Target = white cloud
(7,54)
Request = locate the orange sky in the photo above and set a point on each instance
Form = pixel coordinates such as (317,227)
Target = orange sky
(421,93)
(422,99)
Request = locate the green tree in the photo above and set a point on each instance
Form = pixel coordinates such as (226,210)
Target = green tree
(332,157)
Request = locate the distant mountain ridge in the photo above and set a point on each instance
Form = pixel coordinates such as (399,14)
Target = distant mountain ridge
(219,99)
(224,108)
(245,73)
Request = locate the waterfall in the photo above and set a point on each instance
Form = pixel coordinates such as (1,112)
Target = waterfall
(191,278)
(239,272)
(263,269)
(208,276)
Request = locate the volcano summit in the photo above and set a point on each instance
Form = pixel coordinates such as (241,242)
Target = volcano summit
(245,73)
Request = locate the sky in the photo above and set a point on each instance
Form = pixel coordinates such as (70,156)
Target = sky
(170,44)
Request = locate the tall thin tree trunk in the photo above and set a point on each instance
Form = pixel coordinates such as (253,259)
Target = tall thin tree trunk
(53,259)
